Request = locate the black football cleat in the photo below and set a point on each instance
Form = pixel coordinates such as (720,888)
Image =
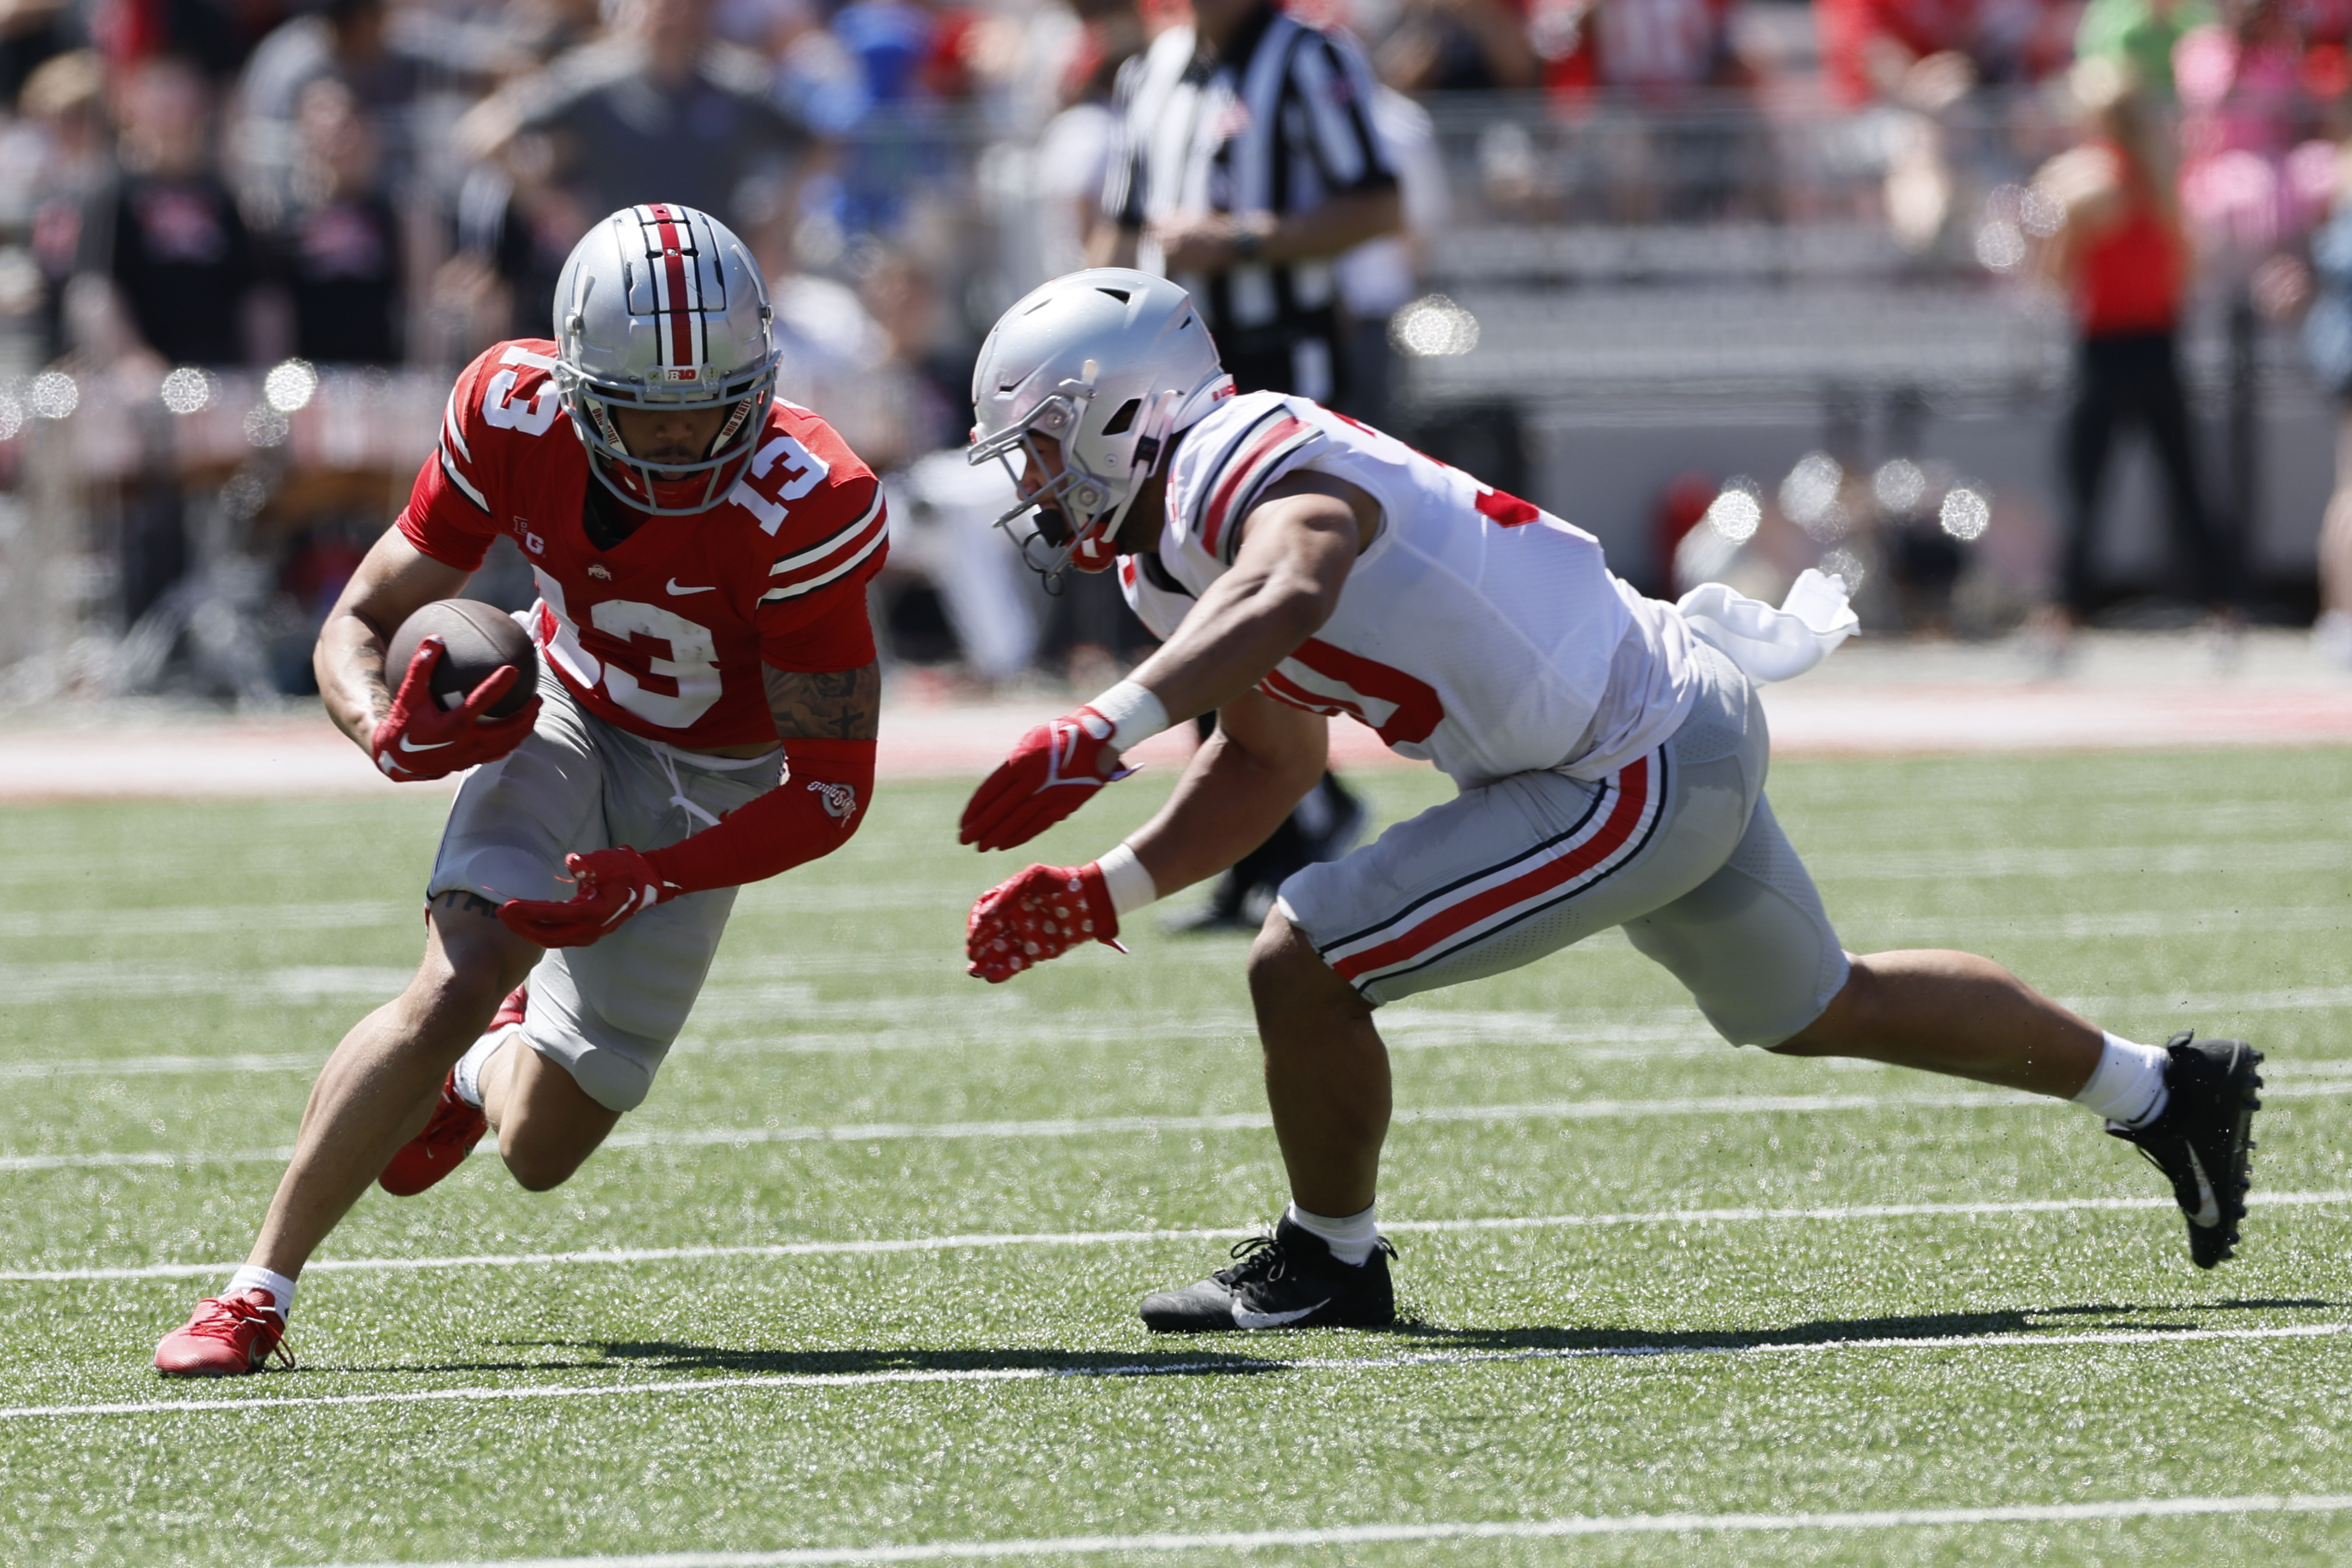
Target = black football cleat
(2201,1140)
(1286,1280)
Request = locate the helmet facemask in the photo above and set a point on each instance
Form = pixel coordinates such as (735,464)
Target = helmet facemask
(668,487)
(1106,365)
(662,309)
(1076,515)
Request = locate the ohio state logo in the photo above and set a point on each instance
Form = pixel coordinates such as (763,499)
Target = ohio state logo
(839,800)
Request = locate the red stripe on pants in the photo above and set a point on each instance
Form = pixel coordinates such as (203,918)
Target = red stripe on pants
(1633,782)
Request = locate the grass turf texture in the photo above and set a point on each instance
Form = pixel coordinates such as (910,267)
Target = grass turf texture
(150,949)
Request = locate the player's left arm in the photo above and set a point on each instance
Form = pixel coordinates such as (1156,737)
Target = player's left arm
(1297,547)
(1299,544)
(827,705)
(827,721)
(1296,550)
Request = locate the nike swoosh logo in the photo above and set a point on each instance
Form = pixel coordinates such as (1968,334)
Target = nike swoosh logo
(1244,1318)
(2209,1213)
(706,588)
(408,745)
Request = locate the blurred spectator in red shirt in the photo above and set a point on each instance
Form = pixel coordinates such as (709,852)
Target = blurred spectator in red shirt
(2122,257)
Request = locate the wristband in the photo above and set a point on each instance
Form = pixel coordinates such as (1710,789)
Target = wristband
(1134,712)
(1130,887)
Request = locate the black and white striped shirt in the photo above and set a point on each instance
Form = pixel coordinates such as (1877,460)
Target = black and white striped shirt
(1279,120)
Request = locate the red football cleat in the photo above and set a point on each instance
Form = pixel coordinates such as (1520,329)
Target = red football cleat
(228,1336)
(440,1149)
(456,1126)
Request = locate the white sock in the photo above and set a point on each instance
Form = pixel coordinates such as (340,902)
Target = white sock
(2127,1086)
(468,1079)
(280,1288)
(1351,1239)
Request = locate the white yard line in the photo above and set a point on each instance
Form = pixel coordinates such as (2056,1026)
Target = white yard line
(173,920)
(1979,863)
(2126,923)
(1251,1541)
(1232,1365)
(1231,1121)
(984,1241)
(158,1067)
(1406,1028)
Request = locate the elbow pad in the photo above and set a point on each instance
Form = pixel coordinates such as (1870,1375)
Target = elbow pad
(809,814)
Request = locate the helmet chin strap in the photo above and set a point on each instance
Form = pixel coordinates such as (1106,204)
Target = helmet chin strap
(1150,444)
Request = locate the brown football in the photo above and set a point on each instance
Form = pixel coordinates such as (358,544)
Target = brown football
(478,638)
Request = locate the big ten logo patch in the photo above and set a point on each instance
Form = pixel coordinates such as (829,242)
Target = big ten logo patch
(531,542)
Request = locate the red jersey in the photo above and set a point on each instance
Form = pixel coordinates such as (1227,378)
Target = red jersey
(2131,277)
(664,634)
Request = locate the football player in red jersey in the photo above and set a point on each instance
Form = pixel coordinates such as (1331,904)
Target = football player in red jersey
(702,551)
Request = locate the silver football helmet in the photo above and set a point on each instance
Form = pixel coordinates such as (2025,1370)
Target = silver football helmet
(1109,363)
(662,306)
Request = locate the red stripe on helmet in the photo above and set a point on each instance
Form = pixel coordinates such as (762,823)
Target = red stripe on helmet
(682,295)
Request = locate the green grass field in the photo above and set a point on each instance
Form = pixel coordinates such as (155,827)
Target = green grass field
(861,1276)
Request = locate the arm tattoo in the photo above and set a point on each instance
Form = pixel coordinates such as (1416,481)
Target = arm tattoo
(379,691)
(838,705)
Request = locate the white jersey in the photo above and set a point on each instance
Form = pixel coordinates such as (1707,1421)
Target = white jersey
(1477,631)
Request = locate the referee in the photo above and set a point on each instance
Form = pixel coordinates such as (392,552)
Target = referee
(1247,163)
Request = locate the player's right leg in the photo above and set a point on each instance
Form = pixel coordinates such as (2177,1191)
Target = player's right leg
(1758,955)
(506,836)
(375,1093)
(1494,879)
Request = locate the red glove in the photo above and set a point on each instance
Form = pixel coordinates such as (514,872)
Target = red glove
(813,813)
(1040,914)
(1053,770)
(610,885)
(419,739)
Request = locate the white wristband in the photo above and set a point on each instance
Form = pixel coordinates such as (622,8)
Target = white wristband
(1135,713)
(1129,885)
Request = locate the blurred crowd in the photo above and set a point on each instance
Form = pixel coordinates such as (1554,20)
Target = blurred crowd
(257,236)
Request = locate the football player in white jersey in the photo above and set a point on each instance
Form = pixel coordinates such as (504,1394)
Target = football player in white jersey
(1610,751)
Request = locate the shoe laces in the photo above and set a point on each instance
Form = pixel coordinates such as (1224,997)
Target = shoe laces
(454,1121)
(224,1317)
(1261,1257)
(1265,1258)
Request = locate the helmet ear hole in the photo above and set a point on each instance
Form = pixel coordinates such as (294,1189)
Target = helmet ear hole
(1124,420)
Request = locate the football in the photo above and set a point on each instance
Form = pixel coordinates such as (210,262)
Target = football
(478,638)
